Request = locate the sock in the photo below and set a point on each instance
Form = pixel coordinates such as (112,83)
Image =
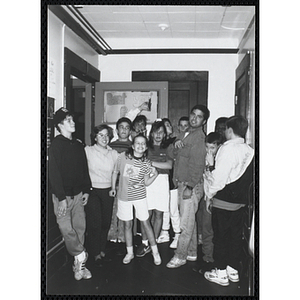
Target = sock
(177,235)
(80,256)
(154,249)
(129,250)
(145,242)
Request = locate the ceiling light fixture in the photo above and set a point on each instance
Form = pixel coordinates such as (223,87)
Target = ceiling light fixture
(163,27)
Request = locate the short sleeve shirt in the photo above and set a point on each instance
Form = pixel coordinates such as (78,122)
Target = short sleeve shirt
(132,177)
(158,154)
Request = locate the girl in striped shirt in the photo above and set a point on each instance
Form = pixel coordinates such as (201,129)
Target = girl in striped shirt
(136,173)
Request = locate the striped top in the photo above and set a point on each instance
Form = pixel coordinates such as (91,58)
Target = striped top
(132,177)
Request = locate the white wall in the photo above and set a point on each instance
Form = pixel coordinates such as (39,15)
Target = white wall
(221,68)
(60,36)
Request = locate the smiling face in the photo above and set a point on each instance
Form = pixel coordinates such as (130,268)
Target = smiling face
(197,118)
(102,138)
(139,146)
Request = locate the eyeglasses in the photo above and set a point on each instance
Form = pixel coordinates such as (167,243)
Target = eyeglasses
(101,135)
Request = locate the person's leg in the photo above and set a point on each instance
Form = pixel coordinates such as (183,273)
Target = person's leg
(220,224)
(150,234)
(235,242)
(113,230)
(128,234)
(187,218)
(106,214)
(174,211)
(207,233)
(157,222)
(94,221)
(144,248)
(72,241)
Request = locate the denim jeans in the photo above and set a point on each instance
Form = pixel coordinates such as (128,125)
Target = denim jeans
(72,224)
(187,242)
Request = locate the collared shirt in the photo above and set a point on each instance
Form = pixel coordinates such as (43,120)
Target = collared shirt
(232,159)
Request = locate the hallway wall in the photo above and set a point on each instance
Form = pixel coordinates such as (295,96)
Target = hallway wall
(221,85)
(60,36)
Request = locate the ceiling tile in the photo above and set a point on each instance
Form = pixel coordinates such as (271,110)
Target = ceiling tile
(182,17)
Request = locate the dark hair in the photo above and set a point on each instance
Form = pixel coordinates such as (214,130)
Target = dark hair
(183,119)
(238,124)
(166,120)
(124,119)
(129,151)
(99,128)
(155,126)
(61,122)
(138,119)
(221,120)
(214,138)
(204,109)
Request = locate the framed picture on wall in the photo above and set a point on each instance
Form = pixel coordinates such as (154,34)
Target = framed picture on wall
(118,104)
(114,100)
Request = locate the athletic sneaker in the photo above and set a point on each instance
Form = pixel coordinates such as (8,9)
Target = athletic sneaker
(128,258)
(217,276)
(176,262)
(191,257)
(79,269)
(156,258)
(233,275)
(142,250)
(164,237)
(175,241)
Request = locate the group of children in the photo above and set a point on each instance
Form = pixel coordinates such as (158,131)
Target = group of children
(140,177)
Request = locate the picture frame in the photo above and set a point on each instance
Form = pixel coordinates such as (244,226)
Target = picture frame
(114,99)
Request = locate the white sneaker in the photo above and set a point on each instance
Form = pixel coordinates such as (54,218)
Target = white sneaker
(176,262)
(175,241)
(164,237)
(79,269)
(217,276)
(128,258)
(156,258)
(233,274)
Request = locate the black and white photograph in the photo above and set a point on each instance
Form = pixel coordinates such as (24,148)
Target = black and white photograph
(152,108)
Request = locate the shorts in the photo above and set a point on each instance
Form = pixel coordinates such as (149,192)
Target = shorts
(125,210)
(158,193)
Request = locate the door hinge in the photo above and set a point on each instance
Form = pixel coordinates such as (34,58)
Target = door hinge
(236,99)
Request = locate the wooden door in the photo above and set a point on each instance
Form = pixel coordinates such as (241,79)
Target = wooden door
(186,89)
(182,97)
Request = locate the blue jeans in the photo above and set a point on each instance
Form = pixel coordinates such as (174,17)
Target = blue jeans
(187,242)
(72,225)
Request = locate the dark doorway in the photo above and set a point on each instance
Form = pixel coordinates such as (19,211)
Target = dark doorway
(186,89)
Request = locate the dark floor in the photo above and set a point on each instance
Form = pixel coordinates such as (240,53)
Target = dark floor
(140,277)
